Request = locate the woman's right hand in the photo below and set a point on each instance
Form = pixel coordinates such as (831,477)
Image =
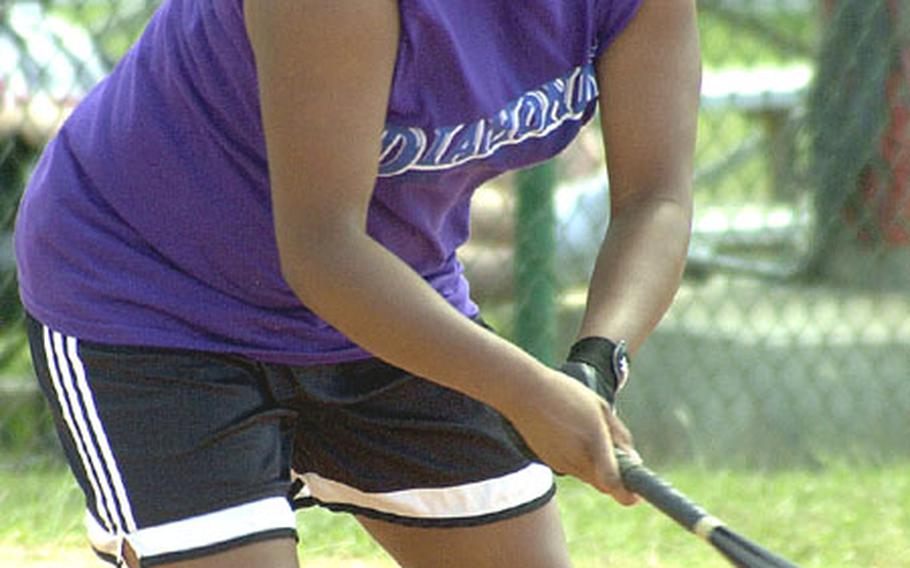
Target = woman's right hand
(574,431)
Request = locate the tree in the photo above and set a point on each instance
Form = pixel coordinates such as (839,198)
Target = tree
(859,126)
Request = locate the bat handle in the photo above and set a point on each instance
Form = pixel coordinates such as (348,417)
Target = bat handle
(640,480)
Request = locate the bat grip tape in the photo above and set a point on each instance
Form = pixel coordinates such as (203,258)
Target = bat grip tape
(639,479)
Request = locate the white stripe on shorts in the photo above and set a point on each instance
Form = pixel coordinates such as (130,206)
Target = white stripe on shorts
(74,431)
(81,416)
(477,499)
(200,532)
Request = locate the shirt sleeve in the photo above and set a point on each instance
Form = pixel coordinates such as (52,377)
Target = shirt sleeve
(613,17)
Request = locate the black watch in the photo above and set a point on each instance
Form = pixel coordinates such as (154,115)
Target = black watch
(610,359)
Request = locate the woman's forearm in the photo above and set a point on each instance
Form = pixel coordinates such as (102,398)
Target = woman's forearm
(638,270)
(380,303)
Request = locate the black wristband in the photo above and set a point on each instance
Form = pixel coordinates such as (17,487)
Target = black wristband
(608,358)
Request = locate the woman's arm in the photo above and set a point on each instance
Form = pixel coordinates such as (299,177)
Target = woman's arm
(325,70)
(649,78)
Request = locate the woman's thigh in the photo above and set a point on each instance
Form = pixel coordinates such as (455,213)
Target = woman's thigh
(532,540)
(273,553)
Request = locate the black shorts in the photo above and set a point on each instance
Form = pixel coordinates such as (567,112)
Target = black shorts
(182,453)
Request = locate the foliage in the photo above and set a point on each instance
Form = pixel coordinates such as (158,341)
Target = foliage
(738,37)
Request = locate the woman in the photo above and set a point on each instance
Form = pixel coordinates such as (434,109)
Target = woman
(234,301)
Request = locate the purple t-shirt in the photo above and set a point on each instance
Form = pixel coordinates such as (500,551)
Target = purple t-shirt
(148,219)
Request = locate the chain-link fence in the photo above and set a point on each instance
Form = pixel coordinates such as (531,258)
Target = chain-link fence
(789,341)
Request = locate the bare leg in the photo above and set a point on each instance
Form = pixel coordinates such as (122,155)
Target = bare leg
(273,553)
(534,540)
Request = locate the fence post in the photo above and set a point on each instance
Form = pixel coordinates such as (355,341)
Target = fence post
(535,249)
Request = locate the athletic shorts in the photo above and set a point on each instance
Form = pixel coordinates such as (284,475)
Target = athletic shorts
(184,453)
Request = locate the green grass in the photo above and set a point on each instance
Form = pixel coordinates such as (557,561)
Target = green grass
(838,517)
